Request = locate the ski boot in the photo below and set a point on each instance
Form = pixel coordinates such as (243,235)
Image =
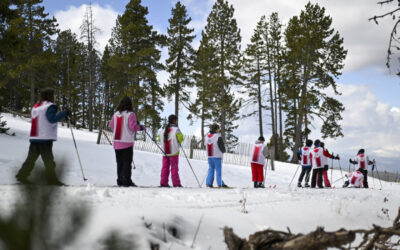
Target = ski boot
(261,185)
(307,185)
(299,185)
(255,184)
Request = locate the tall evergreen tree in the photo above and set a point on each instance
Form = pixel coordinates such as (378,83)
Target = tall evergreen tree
(134,57)
(224,35)
(255,68)
(316,55)
(180,61)
(88,33)
(204,74)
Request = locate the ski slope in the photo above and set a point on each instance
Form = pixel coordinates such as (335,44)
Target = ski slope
(128,209)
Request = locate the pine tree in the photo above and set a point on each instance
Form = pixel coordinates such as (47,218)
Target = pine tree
(3,124)
(180,61)
(135,58)
(256,67)
(88,33)
(315,55)
(36,30)
(224,35)
(204,74)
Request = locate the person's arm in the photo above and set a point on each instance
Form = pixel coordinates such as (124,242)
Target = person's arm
(266,152)
(327,154)
(179,136)
(112,124)
(299,154)
(52,115)
(132,123)
(221,145)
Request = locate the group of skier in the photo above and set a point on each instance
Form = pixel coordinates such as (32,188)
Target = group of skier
(124,125)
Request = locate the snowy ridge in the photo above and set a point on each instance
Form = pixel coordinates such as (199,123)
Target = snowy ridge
(129,209)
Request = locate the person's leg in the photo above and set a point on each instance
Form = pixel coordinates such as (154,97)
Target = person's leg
(46,151)
(211,169)
(165,171)
(254,174)
(314,178)
(176,181)
(29,163)
(118,157)
(303,172)
(319,177)
(307,179)
(260,175)
(325,175)
(218,170)
(126,171)
(365,183)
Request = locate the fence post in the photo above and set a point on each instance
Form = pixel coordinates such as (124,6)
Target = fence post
(192,144)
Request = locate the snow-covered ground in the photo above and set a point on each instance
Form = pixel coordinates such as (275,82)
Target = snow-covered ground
(128,209)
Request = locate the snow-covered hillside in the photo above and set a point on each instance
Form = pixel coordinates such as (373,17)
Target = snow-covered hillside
(126,209)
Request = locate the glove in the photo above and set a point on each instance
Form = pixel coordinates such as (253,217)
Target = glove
(337,157)
(142,127)
(350,161)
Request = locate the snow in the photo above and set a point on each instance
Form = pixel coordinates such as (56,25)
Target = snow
(128,209)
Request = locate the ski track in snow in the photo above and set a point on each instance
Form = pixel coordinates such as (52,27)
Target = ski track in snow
(127,209)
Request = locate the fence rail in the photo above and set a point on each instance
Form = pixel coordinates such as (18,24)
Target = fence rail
(239,155)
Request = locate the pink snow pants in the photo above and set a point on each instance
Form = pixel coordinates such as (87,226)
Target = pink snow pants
(171,161)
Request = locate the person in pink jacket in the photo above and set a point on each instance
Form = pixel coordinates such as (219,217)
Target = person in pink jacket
(124,125)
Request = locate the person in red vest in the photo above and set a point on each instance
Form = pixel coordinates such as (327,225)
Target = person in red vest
(325,157)
(362,161)
(356,180)
(45,117)
(171,138)
(316,156)
(260,152)
(304,155)
(124,125)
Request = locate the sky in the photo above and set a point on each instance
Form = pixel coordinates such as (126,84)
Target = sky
(370,91)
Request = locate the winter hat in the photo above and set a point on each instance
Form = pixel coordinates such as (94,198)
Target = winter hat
(317,142)
(309,143)
(172,119)
(361,151)
(261,138)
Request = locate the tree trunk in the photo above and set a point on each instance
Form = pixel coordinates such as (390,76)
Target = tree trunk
(260,120)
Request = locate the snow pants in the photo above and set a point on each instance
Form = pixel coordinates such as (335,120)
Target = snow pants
(325,175)
(257,172)
(365,173)
(215,165)
(124,166)
(305,171)
(45,150)
(170,164)
(317,177)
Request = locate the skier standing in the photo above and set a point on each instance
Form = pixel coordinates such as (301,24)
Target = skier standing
(317,164)
(170,138)
(215,150)
(43,134)
(362,161)
(260,152)
(325,157)
(304,156)
(124,125)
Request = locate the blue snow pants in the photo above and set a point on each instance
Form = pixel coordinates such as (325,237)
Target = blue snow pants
(215,165)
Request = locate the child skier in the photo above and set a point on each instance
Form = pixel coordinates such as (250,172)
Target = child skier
(124,125)
(356,180)
(362,161)
(170,138)
(304,156)
(215,150)
(325,157)
(317,164)
(260,152)
(43,134)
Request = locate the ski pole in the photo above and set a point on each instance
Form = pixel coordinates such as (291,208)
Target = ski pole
(190,165)
(341,170)
(265,172)
(373,178)
(76,148)
(332,171)
(294,175)
(338,179)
